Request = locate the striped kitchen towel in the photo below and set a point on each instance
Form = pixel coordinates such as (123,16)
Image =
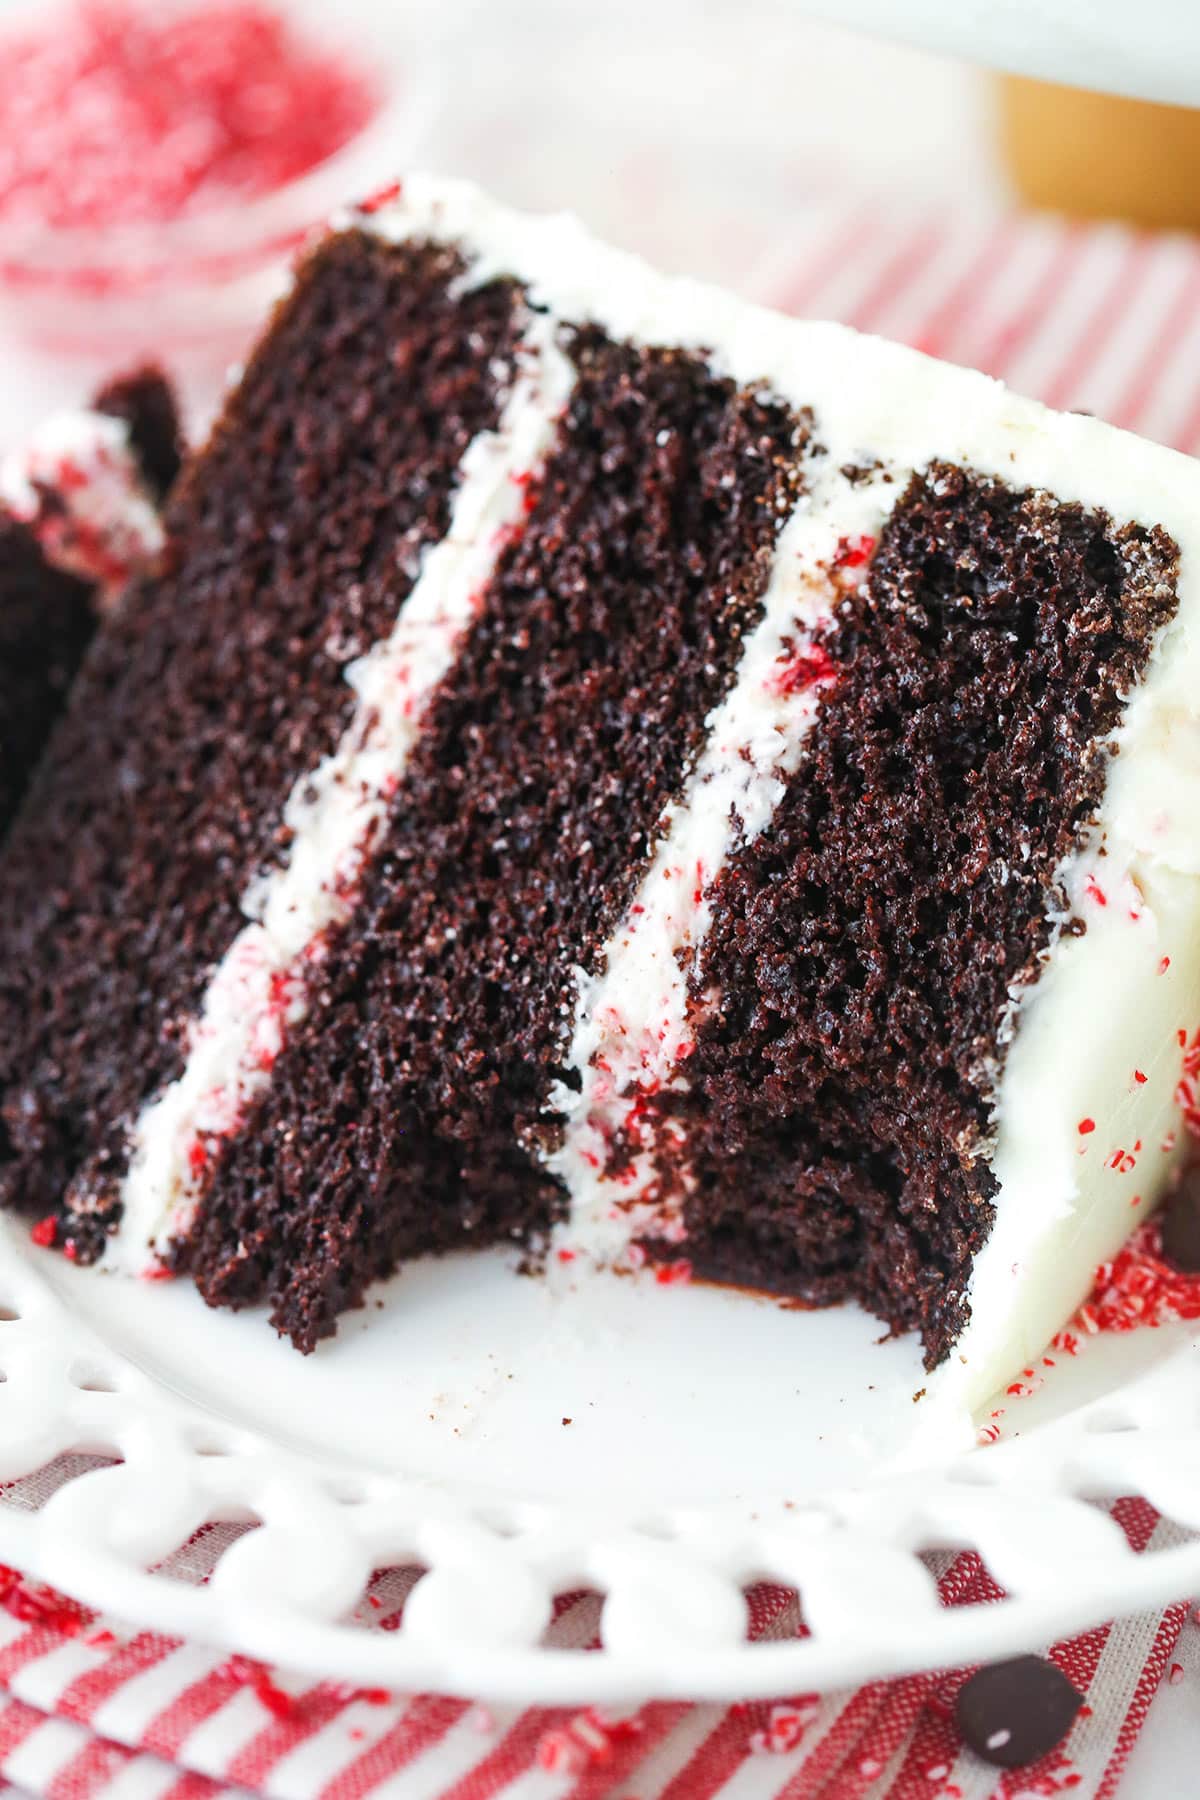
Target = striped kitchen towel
(91,1708)
(1094,318)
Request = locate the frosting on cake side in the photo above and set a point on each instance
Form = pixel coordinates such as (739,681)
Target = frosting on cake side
(80,488)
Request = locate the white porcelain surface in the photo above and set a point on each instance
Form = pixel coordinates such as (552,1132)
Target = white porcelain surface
(713,1439)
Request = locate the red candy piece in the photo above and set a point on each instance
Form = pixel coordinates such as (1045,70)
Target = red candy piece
(117,112)
(812,668)
(375,203)
(1136,1288)
(587,1741)
(34,1604)
(249,1673)
(854,553)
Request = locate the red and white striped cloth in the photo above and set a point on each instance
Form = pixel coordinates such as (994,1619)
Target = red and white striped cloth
(1100,319)
(91,1708)
(1093,318)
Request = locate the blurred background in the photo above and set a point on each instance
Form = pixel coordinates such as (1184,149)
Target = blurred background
(161,160)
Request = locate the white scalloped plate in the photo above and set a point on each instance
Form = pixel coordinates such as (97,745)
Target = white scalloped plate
(519,1438)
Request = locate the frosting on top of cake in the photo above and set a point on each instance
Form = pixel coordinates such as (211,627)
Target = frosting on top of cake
(78,485)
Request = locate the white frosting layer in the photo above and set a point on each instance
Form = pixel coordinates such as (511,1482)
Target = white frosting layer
(104,525)
(631,1031)
(334,813)
(1100,1010)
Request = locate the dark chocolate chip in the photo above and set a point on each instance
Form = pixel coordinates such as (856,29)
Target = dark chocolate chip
(1013,1712)
(1181,1224)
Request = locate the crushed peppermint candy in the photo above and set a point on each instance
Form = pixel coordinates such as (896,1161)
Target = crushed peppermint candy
(33,1603)
(78,487)
(586,1741)
(673,1274)
(119,111)
(853,553)
(249,1673)
(809,668)
(785,1727)
(1137,1287)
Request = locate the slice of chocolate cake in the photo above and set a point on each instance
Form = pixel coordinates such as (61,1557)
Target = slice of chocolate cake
(611,767)
(78,513)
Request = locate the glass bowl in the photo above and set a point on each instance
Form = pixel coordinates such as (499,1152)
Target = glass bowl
(191,292)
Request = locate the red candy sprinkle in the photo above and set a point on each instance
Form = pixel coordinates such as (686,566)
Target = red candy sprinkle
(377,201)
(1086,1125)
(673,1274)
(44,1232)
(248,1673)
(35,1604)
(1139,1077)
(1136,1288)
(587,1741)
(526,480)
(811,668)
(785,1727)
(120,112)
(852,553)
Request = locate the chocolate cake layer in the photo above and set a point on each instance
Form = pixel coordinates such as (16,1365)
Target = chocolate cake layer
(401,1116)
(48,613)
(851,993)
(144,400)
(294,539)
(46,621)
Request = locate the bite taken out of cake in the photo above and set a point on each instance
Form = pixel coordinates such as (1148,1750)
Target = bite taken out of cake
(611,769)
(79,514)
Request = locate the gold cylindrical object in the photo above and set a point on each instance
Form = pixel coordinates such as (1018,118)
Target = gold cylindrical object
(1100,156)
